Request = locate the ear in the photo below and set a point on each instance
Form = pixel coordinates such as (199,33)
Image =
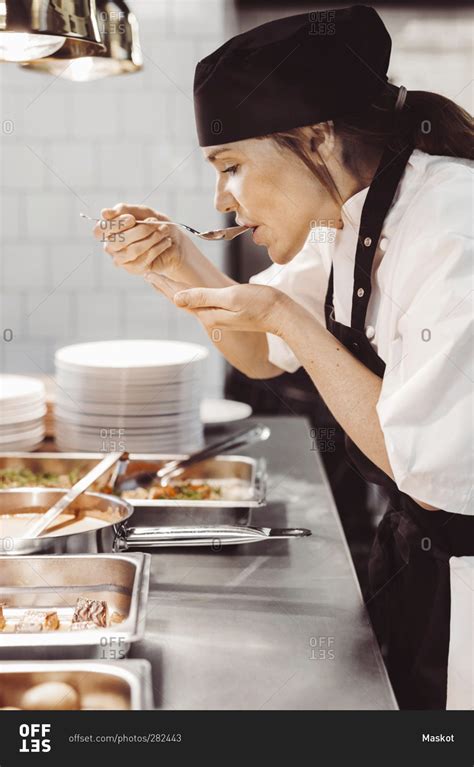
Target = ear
(322,140)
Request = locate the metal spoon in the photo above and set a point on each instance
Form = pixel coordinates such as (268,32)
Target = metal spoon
(174,468)
(214,234)
(38,525)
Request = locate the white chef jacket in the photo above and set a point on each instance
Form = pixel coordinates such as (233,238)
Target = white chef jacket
(419,320)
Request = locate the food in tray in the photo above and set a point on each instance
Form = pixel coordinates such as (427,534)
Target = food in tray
(13,525)
(49,696)
(190,490)
(103,700)
(63,696)
(37,620)
(88,614)
(23,477)
(91,611)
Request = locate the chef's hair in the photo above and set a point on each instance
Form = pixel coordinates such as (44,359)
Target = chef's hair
(435,124)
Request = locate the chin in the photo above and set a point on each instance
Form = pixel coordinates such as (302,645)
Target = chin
(280,255)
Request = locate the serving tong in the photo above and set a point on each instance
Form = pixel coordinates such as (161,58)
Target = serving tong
(175,468)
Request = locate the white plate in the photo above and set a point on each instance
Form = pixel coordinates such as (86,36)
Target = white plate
(67,408)
(32,437)
(89,445)
(22,427)
(20,390)
(8,419)
(136,355)
(223,411)
(145,422)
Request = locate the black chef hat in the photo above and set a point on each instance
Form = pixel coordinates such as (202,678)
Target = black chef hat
(291,72)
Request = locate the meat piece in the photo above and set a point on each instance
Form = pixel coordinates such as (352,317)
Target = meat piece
(116,618)
(91,611)
(37,620)
(3,621)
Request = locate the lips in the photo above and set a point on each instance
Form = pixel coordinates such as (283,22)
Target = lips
(245,223)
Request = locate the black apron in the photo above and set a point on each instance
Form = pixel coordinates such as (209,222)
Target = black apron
(409,596)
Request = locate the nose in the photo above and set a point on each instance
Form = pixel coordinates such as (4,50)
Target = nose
(224,201)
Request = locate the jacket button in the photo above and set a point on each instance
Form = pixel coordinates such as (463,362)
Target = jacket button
(355,345)
(360,292)
(368,242)
(383,244)
(370,332)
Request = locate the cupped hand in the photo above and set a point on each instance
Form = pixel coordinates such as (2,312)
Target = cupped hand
(251,308)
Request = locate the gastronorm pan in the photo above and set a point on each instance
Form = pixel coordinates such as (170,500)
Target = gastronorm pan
(103,521)
(233,472)
(54,583)
(127,683)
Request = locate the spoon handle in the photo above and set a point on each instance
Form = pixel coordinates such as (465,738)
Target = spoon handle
(37,527)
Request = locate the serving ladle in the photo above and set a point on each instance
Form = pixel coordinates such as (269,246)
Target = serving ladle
(213,234)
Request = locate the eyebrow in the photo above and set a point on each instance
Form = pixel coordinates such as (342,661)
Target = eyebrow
(211,157)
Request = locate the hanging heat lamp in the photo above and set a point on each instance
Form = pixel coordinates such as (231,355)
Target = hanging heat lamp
(119,32)
(32,29)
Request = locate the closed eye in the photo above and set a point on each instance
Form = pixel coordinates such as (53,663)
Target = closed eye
(232,169)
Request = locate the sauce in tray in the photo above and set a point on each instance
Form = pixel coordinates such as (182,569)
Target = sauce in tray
(13,525)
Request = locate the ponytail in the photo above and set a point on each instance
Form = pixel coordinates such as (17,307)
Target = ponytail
(440,126)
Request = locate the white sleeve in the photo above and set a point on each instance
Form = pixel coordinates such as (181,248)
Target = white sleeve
(305,280)
(426,403)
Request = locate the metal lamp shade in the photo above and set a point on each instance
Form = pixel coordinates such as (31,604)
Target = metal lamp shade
(30,29)
(122,54)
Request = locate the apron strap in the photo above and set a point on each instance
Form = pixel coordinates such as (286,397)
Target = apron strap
(377,203)
(329,300)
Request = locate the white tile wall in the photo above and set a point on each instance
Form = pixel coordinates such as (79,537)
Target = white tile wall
(82,146)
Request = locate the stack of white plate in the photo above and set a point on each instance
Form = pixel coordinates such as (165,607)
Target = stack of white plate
(140,396)
(22,411)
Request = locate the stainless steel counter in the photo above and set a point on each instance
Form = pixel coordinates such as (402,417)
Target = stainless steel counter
(278,625)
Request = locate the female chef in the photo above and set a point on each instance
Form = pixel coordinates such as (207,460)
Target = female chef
(361,192)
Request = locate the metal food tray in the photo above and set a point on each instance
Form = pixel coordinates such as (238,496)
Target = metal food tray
(54,582)
(129,682)
(251,472)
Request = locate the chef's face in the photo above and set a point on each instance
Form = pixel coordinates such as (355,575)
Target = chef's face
(270,189)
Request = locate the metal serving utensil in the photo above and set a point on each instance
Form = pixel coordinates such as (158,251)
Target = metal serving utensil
(213,234)
(203,535)
(38,525)
(173,469)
